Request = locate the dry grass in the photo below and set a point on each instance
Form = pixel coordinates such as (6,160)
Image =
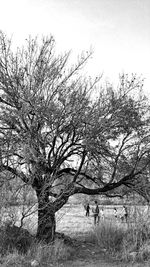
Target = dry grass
(128,243)
(109,236)
(53,253)
(39,253)
(14,259)
(19,249)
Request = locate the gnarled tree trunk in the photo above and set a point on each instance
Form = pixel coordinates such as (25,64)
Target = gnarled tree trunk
(46,219)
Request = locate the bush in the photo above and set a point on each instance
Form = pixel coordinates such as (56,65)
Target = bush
(19,248)
(14,238)
(107,202)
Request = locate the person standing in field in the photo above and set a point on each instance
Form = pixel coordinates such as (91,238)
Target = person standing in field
(96,213)
(102,214)
(87,210)
(125,213)
(115,213)
(124,216)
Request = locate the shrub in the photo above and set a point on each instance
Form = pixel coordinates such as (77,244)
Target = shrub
(13,237)
(106,202)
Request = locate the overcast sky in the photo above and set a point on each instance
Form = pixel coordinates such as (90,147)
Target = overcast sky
(117,30)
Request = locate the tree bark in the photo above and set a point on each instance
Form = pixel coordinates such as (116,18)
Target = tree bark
(46,220)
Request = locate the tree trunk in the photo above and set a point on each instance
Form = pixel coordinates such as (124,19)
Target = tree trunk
(46,220)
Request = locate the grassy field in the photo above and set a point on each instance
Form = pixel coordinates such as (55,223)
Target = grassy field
(71,219)
(93,246)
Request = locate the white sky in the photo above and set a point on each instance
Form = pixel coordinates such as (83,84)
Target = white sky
(118,30)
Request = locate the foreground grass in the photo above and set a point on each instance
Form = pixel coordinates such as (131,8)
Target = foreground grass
(39,254)
(125,242)
(19,248)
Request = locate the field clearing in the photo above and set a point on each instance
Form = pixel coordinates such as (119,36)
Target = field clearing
(71,219)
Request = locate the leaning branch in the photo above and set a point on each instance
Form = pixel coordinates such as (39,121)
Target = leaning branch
(108,187)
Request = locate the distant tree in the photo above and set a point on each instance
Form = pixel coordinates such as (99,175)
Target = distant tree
(63,134)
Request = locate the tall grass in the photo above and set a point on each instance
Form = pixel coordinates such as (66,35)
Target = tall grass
(39,254)
(108,236)
(45,254)
(125,241)
(20,249)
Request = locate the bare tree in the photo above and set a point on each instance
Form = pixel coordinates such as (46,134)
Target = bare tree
(60,139)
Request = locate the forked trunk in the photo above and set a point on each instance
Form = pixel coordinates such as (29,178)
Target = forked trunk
(46,220)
